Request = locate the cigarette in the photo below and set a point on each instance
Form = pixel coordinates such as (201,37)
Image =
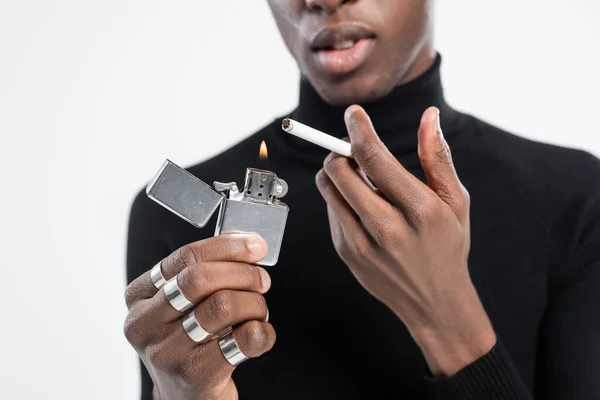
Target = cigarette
(317,137)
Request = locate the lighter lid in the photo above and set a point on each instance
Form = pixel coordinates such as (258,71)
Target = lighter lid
(184,194)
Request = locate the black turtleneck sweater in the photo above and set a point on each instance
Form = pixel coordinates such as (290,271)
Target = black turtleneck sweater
(535,261)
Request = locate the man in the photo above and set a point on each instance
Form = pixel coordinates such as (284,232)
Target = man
(470,276)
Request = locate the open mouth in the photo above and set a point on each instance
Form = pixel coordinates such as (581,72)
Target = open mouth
(341,37)
(341,45)
(342,48)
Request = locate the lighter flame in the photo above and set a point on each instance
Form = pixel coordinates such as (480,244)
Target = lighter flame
(263,154)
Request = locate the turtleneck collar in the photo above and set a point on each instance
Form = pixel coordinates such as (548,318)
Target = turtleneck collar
(396,116)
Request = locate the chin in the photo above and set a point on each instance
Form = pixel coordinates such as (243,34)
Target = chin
(354,89)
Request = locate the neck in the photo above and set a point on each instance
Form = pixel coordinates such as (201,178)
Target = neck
(396,116)
(424,61)
(403,105)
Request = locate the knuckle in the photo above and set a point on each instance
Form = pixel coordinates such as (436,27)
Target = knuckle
(130,331)
(334,166)
(257,336)
(322,180)
(221,305)
(361,244)
(328,159)
(448,152)
(261,302)
(368,154)
(444,191)
(196,280)
(133,329)
(131,295)
(187,255)
(385,233)
(422,214)
(343,251)
(250,275)
(429,204)
(225,247)
(342,247)
(460,205)
(442,156)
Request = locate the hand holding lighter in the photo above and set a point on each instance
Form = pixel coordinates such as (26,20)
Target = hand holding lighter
(257,208)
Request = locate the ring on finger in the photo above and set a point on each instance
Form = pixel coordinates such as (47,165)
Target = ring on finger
(194,330)
(158,279)
(175,296)
(231,350)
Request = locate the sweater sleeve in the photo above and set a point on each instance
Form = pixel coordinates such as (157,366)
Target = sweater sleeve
(491,377)
(145,247)
(568,364)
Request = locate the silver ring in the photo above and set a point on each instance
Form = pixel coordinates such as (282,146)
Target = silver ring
(158,280)
(231,351)
(175,297)
(194,330)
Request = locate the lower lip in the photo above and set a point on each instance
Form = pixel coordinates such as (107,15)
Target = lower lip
(344,61)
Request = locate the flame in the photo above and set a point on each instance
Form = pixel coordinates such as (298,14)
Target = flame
(263,154)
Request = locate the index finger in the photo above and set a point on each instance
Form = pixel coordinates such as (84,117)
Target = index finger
(398,185)
(237,247)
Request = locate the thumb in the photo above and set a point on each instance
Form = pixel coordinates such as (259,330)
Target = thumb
(436,160)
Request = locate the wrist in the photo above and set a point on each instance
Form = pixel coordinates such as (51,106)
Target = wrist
(459,337)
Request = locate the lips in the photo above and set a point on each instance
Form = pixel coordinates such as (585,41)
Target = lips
(343,48)
(340,37)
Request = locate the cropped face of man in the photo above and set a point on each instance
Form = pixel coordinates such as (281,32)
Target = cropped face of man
(357,50)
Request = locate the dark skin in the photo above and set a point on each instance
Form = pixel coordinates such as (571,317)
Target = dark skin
(406,243)
(217,275)
(403,44)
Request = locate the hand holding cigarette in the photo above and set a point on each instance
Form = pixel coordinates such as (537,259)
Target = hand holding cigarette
(408,246)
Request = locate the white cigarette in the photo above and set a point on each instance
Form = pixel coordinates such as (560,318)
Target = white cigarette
(317,137)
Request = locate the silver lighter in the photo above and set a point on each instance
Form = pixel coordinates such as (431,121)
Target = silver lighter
(257,208)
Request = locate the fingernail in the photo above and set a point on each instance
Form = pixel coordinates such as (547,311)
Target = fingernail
(349,113)
(265,279)
(267,319)
(254,244)
(428,116)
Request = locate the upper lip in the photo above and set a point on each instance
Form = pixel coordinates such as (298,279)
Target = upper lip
(330,36)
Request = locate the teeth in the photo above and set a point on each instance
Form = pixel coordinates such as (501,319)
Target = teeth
(348,44)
